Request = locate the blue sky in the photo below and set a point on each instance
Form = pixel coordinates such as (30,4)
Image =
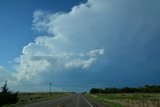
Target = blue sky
(79,44)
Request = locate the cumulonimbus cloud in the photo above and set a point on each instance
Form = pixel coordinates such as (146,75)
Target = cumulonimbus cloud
(78,39)
(70,44)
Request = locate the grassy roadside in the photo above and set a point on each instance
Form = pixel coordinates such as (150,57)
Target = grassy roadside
(101,98)
(25,98)
(128,100)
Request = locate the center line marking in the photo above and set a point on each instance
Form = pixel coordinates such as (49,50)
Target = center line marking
(87,101)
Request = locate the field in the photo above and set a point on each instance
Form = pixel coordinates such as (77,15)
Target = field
(37,96)
(128,100)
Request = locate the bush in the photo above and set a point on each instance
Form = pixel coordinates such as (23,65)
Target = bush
(7,97)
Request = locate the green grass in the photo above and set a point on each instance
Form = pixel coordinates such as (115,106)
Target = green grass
(125,100)
(106,100)
(25,98)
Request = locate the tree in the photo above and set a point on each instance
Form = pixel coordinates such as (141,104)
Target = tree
(94,90)
(5,89)
(145,89)
(7,97)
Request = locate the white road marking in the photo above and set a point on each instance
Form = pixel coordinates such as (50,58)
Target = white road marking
(87,102)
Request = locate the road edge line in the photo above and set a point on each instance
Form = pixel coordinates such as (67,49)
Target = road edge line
(87,101)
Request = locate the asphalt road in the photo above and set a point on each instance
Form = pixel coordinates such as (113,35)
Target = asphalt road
(75,100)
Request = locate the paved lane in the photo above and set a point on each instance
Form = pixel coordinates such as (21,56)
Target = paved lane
(76,100)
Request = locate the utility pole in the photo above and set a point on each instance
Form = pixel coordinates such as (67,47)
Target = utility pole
(50,87)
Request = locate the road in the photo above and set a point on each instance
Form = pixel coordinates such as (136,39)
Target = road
(75,100)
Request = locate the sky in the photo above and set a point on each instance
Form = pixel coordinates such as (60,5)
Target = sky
(79,44)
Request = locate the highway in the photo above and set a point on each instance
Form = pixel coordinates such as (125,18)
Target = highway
(75,100)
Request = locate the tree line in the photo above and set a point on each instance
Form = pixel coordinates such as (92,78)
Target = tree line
(144,89)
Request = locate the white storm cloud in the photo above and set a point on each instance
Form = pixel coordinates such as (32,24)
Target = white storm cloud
(80,63)
(94,53)
(70,44)
(79,38)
